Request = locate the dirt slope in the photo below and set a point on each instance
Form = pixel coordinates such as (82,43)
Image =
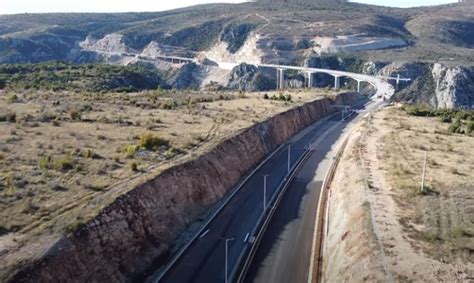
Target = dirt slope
(381,228)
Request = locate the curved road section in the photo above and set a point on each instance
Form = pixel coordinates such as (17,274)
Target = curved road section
(216,253)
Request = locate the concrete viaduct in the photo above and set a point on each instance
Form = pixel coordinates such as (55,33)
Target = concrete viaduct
(384,90)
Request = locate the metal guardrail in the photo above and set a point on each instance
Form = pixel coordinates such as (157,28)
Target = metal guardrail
(242,267)
(158,276)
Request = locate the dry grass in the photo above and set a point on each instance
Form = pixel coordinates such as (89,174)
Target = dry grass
(63,156)
(443,215)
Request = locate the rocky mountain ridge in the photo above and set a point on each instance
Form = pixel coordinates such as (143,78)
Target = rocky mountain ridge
(319,33)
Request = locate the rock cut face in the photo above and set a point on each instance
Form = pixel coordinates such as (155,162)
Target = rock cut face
(110,43)
(352,43)
(453,87)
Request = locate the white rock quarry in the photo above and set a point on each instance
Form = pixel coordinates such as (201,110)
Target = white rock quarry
(151,50)
(248,53)
(351,43)
(111,43)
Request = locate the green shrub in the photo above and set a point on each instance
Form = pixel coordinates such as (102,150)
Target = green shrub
(281,97)
(419,111)
(8,117)
(64,163)
(152,142)
(45,162)
(91,154)
(46,117)
(445,118)
(11,98)
(134,167)
(455,127)
(470,128)
(265,96)
(130,150)
(172,152)
(168,105)
(75,115)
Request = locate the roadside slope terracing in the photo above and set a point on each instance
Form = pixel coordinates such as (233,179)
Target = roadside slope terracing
(146,214)
(381,225)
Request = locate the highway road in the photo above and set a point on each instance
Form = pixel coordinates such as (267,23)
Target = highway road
(284,254)
(204,260)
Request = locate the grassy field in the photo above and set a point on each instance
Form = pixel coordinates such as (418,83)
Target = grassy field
(64,155)
(440,218)
(389,228)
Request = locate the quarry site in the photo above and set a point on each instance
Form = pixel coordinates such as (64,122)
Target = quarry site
(266,141)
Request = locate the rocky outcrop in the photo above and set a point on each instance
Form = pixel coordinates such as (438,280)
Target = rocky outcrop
(141,226)
(110,43)
(454,87)
(353,43)
(250,78)
(187,77)
(436,85)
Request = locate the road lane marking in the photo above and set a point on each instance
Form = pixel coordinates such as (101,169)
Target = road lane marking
(204,234)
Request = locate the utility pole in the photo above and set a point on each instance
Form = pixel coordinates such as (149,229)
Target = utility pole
(227,240)
(423,175)
(265,192)
(289,157)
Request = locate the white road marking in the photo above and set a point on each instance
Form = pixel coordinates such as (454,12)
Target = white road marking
(204,234)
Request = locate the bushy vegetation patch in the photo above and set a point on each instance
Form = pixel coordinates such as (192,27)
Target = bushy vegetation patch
(59,76)
(461,121)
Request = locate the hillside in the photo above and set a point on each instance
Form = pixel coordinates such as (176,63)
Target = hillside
(285,30)
(390,230)
(65,156)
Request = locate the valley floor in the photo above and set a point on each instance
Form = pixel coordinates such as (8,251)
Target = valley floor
(381,226)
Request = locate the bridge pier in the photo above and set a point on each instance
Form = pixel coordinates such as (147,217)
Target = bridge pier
(310,79)
(280,78)
(337,82)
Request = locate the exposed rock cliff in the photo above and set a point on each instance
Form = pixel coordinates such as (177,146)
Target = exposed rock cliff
(109,43)
(141,226)
(454,87)
(250,78)
(436,85)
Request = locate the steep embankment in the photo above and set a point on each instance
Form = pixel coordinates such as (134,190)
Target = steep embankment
(141,226)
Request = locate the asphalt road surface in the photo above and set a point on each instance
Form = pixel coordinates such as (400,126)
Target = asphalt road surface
(204,260)
(284,253)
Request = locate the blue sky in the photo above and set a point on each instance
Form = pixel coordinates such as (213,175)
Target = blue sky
(42,6)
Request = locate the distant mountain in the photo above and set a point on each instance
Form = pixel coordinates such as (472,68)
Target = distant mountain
(432,45)
(443,32)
